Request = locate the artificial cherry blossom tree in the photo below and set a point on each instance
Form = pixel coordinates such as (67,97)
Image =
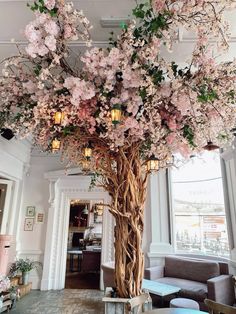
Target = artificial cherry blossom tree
(125,105)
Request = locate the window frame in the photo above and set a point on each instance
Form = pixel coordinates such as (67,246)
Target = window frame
(229,226)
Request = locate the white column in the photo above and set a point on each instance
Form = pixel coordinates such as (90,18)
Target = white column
(229,178)
(159,212)
(46,283)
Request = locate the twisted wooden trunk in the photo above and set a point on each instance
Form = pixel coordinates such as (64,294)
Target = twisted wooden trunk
(128,198)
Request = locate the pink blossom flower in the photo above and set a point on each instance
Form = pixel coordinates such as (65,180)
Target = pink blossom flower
(171,138)
(165,90)
(50,42)
(158,5)
(172,124)
(68,31)
(42,50)
(181,101)
(31,50)
(33,35)
(51,28)
(183,149)
(80,89)
(49,4)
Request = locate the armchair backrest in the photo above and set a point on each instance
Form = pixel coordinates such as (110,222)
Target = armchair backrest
(218,308)
(108,274)
(191,269)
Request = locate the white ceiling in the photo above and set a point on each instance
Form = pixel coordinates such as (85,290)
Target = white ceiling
(14,15)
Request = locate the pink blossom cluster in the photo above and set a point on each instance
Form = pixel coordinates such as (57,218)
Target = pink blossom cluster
(42,35)
(165,109)
(4,283)
(205,17)
(48,33)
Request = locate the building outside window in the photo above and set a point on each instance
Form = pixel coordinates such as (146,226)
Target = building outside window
(198,207)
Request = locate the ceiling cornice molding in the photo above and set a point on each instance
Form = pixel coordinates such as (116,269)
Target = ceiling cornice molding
(25,1)
(102,43)
(97,43)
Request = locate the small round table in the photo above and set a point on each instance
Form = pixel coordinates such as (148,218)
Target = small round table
(175,311)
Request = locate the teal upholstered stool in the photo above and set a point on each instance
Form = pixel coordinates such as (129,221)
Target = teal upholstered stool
(184,303)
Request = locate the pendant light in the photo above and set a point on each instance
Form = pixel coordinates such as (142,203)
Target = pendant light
(116,114)
(153,164)
(56,145)
(59,117)
(210,146)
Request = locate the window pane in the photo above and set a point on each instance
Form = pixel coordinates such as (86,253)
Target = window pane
(198,206)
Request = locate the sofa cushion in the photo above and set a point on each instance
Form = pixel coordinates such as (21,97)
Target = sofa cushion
(189,289)
(196,270)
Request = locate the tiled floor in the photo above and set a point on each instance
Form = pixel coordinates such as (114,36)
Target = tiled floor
(68,301)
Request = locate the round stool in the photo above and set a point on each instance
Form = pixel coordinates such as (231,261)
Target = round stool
(184,303)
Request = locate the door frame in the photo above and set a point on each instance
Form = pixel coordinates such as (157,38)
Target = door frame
(4,228)
(62,191)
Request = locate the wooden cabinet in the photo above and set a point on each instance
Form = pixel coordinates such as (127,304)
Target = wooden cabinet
(91,261)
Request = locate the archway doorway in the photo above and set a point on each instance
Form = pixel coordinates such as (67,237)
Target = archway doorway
(83,266)
(64,189)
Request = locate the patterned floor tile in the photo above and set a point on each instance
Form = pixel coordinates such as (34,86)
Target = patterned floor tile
(61,302)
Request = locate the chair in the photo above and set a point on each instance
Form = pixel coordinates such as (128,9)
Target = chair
(137,303)
(198,279)
(108,274)
(218,308)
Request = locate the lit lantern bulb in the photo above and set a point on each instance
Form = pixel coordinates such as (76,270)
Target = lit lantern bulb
(99,209)
(88,152)
(58,117)
(116,114)
(56,144)
(153,164)
(85,165)
(170,161)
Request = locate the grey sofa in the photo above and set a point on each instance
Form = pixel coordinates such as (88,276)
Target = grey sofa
(198,279)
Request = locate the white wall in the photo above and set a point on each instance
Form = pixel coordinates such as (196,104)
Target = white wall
(14,160)
(36,193)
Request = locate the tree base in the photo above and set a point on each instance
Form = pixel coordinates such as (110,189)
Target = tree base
(118,305)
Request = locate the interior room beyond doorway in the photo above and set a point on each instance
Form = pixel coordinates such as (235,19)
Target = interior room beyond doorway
(84,244)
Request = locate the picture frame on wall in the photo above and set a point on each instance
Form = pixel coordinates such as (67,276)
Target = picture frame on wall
(30,211)
(40,217)
(29,224)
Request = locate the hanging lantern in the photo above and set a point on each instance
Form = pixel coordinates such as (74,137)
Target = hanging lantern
(170,161)
(116,114)
(99,209)
(58,117)
(56,145)
(85,165)
(210,146)
(85,210)
(153,163)
(88,151)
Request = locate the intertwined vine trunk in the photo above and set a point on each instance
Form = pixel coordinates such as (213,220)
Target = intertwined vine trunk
(128,197)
